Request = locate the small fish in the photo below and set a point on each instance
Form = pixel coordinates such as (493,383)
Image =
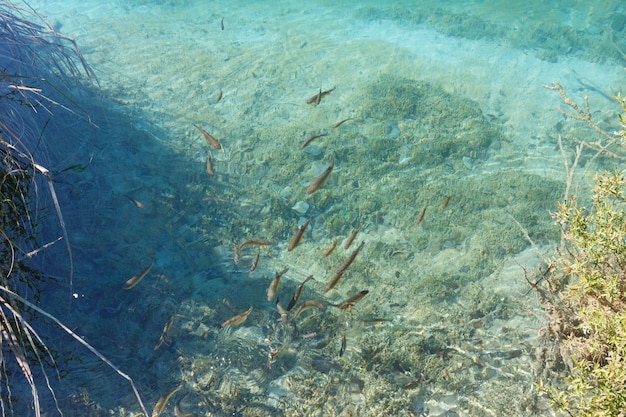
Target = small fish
(342,348)
(309,304)
(165,338)
(296,238)
(271,290)
(137,278)
(340,271)
(351,301)
(318,97)
(297,294)
(254,241)
(421,216)
(160,405)
(284,314)
(336,125)
(178,412)
(319,182)
(220,95)
(274,353)
(393,103)
(238,319)
(222,23)
(351,238)
(209,164)
(136,202)
(165,334)
(315,99)
(255,262)
(331,249)
(445,202)
(212,141)
(311,139)
(76,167)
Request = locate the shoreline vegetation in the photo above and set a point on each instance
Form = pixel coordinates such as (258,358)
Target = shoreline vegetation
(40,68)
(582,285)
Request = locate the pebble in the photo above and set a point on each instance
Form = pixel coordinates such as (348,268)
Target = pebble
(301,207)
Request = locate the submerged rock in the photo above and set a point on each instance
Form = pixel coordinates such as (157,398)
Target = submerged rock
(301,207)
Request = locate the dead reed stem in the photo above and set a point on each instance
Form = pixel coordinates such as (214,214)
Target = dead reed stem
(77,338)
(569,170)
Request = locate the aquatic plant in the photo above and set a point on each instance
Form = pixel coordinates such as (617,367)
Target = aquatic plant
(550,37)
(38,66)
(583,289)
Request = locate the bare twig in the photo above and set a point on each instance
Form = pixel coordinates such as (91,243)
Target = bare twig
(36,251)
(8,274)
(27,332)
(8,334)
(569,171)
(57,207)
(78,339)
(44,171)
(584,115)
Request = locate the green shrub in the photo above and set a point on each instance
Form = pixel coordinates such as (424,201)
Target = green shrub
(584,291)
(596,267)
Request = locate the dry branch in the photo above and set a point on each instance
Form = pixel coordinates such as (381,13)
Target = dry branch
(77,338)
(584,115)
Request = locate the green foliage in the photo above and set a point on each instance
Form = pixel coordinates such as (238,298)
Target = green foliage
(593,303)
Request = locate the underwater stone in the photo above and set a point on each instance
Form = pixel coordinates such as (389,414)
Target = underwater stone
(313,150)
(324,364)
(300,207)
(391,129)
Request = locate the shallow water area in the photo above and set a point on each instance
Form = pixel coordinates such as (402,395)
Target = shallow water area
(449,142)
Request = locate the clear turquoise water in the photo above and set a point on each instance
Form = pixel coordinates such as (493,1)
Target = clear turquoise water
(444,99)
